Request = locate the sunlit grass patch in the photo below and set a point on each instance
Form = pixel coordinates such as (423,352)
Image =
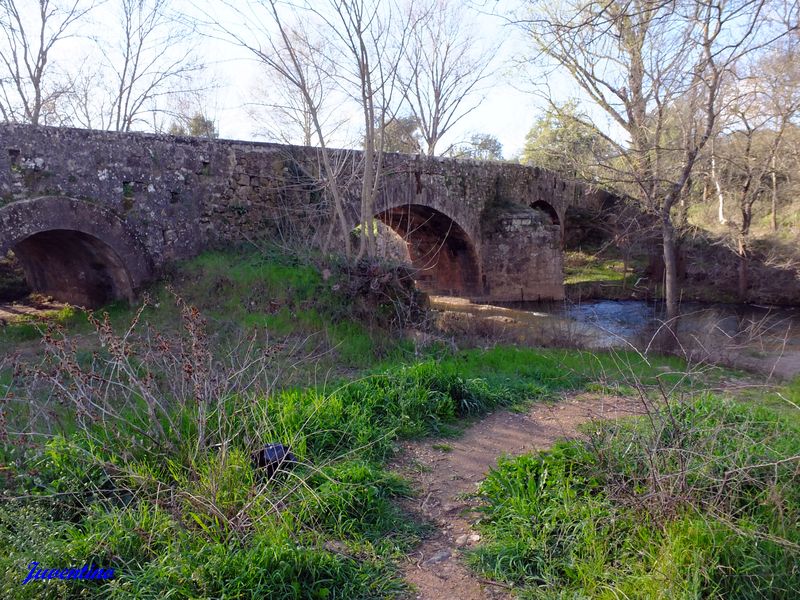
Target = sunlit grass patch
(699,500)
(580,267)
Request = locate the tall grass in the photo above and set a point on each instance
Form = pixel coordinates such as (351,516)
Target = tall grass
(138,456)
(700,500)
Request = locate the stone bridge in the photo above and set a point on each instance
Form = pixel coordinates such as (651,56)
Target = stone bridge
(94,216)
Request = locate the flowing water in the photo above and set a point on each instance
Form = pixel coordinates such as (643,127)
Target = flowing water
(758,337)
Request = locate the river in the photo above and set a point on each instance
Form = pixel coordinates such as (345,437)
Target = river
(761,338)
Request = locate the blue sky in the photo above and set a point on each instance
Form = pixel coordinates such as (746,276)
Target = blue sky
(506,111)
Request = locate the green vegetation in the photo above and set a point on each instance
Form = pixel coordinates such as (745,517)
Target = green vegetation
(701,500)
(560,141)
(197,520)
(282,296)
(481,146)
(193,516)
(137,452)
(581,267)
(149,470)
(604,274)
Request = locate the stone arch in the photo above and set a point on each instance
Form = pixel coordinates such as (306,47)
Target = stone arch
(547,209)
(444,256)
(74,250)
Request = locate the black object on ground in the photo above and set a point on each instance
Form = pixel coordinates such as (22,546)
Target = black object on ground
(272,458)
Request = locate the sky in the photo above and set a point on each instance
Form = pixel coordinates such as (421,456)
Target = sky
(505,111)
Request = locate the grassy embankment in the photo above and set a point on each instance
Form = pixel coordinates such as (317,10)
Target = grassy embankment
(142,456)
(278,296)
(698,500)
(591,275)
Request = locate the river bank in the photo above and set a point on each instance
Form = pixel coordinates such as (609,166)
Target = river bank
(757,338)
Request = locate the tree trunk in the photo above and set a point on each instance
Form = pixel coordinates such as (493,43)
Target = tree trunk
(774,197)
(720,195)
(670,267)
(366,188)
(743,277)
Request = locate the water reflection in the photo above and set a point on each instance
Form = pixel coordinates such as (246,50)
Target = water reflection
(742,335)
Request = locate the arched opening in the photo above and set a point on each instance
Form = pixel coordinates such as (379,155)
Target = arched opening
(73,250)
(443,255)
(13,285)
(74,267)
(547,209)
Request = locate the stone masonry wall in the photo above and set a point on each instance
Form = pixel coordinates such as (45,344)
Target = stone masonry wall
(180,195)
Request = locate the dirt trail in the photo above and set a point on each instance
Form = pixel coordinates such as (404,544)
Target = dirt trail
(12,311)
(446,471)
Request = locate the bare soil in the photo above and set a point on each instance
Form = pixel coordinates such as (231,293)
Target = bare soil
(781,364)
(30,307)
(446,472)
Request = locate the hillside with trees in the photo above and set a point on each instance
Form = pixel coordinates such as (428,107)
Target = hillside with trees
(712,167)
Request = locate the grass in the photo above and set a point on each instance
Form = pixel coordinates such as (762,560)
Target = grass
(174,513)
(580,267)
(233,540)
(541,373)
(586,520)
(194,521)
(784,401)
(173,502)
(284,297)
(157,542)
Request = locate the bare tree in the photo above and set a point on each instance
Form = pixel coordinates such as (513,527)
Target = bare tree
(784,83)
(281,109)
(655,69)
(149,57)
(85,102)
(284,44)
(758,118)
(280,112)
(137,69)
(365,41)
(714,175)
(29,31)
(191,105)
(154,60)
(443,68)
(370,39)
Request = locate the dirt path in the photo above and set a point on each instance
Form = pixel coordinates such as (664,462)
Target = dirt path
(447,471)
(12,311)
